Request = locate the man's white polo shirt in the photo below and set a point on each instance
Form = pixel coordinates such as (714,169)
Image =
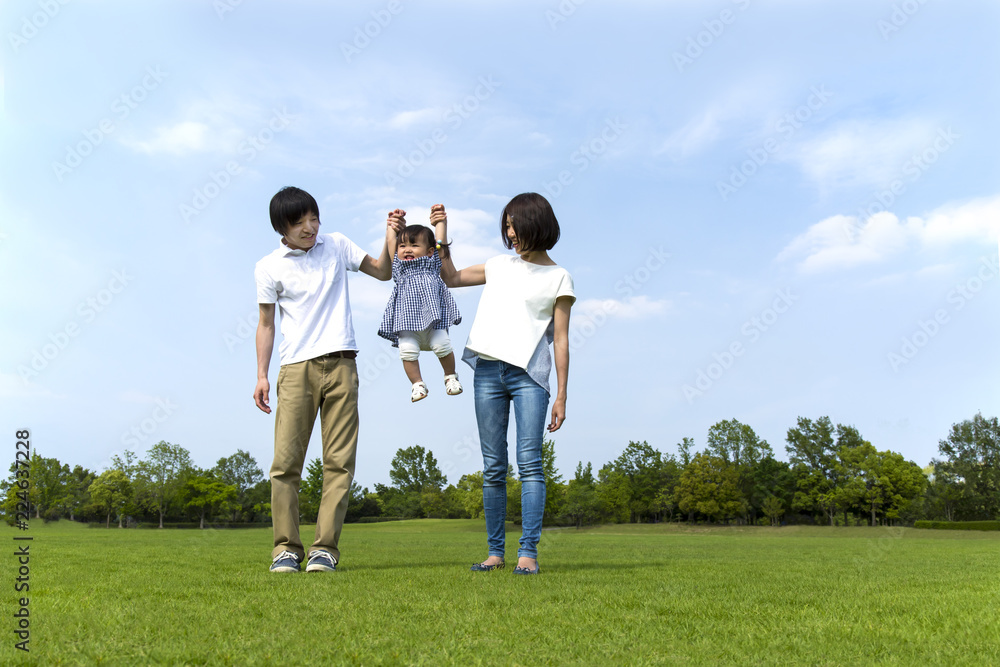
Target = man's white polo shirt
(310,288)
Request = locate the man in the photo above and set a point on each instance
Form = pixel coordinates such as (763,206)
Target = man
(307,278)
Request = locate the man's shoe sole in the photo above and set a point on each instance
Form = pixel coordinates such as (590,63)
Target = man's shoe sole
(320,568)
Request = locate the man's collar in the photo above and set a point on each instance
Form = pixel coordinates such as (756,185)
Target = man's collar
(293,251)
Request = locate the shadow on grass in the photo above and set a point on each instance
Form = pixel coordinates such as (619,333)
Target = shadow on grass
(557,566)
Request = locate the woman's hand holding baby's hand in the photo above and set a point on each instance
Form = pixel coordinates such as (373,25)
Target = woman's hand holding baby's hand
(438,216)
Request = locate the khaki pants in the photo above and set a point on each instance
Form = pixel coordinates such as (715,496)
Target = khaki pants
(327,385)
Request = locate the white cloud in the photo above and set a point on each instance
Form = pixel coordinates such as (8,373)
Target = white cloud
(183,138)
(861,152)
(216,124)
(539,139)
(13,386)
(978,220)
(406,119)
(697,135)
(630,308)
(843,241)
(742,113)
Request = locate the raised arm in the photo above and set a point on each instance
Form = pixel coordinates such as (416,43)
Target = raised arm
(265,344)
(467,277)
(381,268)
(560,346)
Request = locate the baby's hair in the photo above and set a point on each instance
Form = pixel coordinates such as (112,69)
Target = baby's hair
(422,234)
(289,206)
(533,220)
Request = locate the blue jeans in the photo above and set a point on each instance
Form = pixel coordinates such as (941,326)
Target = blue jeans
(496,384)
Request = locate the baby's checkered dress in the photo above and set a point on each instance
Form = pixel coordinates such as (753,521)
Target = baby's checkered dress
(420,299)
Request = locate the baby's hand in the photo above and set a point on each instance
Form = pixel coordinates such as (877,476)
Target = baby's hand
(438,215)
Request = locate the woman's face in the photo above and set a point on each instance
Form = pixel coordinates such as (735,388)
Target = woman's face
(512,236)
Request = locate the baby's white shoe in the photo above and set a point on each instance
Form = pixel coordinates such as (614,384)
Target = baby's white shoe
(418,392)
(452,385)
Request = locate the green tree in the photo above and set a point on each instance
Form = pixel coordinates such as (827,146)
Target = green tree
(739,445)
(416,469)
(259,500)
(127,463)
(684,449)
(360,504)
(470,488)
(972,462)
(78,490)
(454,500)
(433,504)
(48,491)
(205,495)
(709,485)
(394,503)
(242,471)
(418,484)
(640,464)
(892,483)
(614,494)
(812,455)
(554,488)
(581,506)
(311,491)
(112,492)
(164,471)
(944,494)
(773,509)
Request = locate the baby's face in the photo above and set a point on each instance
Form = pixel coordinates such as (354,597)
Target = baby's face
(412,249)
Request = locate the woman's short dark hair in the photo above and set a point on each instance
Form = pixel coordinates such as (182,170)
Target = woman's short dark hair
(289,206)
(533,220)
(421,234)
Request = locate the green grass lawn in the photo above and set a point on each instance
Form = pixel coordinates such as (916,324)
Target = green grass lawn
(403,594)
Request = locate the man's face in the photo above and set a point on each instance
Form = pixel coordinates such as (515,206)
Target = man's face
(301,235)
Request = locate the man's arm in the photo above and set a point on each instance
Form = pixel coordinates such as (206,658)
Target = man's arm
(467,277)
(265,344)
(381,268)
(560,345)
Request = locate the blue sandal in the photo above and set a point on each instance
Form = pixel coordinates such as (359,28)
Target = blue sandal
(479,567)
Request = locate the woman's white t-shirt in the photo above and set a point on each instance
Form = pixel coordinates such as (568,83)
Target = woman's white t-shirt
(515,313)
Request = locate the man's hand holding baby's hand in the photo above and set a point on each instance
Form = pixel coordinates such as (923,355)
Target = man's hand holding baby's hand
(397,220)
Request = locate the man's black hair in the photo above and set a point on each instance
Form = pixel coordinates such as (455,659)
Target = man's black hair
(289,206)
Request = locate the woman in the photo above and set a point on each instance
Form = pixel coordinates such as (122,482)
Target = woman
(524,307)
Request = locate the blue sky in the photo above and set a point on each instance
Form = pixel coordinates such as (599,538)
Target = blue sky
(770,209)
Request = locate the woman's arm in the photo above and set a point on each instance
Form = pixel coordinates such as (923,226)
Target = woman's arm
(560,345)
(467,277)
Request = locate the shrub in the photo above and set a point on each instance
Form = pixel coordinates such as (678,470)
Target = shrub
(958,525)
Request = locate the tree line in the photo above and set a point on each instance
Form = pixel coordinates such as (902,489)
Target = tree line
(833,476)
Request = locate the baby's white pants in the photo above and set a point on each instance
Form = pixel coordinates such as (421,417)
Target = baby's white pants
(435,340)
